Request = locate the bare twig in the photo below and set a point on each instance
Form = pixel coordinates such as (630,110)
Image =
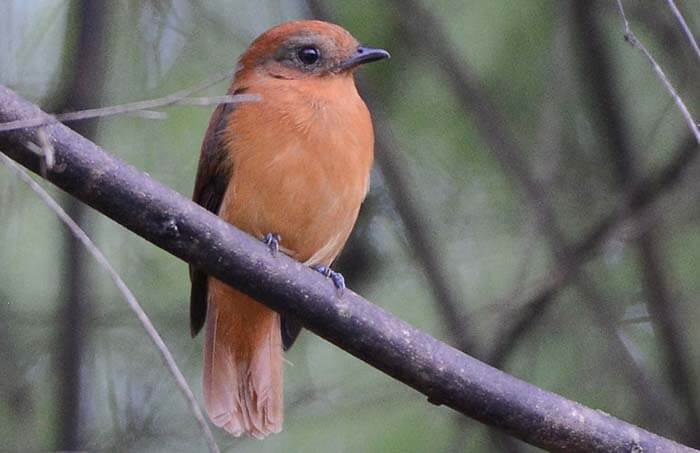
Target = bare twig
(445,375)
(179,97)
(163,350)
(631,38)
(684,26)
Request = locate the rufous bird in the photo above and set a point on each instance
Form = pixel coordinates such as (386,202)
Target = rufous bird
(291,169)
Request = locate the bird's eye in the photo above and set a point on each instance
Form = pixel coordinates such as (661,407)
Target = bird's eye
(309,55)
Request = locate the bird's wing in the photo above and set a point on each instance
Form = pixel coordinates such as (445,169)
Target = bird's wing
(213,175)
(291,328)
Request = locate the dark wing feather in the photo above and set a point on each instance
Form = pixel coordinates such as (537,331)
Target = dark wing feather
(213,175)
(290,331)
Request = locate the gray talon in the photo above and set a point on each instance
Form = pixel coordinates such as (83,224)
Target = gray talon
(336,277)
(272,241)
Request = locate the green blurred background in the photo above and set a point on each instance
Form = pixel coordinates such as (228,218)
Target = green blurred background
(587,116)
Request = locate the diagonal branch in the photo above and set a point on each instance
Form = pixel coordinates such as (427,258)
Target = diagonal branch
(151,331)
(182,97)
(631,38)
(437,370)
(684,26)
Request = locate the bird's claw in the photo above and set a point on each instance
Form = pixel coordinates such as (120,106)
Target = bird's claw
(336,277)
(272,241)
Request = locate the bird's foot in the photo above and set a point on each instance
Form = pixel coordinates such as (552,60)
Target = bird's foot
(272,241)
(336,277)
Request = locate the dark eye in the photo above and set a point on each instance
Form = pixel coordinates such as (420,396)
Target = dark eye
(309,55)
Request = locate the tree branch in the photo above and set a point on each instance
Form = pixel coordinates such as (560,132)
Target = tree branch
(437,370)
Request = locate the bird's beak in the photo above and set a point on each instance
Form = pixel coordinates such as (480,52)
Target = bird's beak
(364,55)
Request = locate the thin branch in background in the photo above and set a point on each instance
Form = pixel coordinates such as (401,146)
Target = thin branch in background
(397,178)
(684,26)
(631,38)
(139,107)
(151,331)
(75,304)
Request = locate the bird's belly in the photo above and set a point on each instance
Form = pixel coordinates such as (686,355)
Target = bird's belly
(310,200)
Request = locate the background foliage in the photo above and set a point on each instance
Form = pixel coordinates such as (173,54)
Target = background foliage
(531,61)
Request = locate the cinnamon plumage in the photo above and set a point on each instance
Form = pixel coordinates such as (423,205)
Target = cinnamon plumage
(291,169)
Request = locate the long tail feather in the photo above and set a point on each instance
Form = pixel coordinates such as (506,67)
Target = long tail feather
(242,364)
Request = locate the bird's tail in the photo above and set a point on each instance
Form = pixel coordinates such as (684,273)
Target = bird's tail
(242,364)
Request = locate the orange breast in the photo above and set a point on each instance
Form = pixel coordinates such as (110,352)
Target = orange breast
(301,161)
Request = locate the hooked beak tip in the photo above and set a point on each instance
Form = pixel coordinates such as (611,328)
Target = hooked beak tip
(365,55)
(372,54)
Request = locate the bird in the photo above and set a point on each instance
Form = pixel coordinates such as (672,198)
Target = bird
(292,169)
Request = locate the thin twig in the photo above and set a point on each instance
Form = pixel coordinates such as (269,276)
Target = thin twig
(684,26)
(126,293)
(179,97)
(631,38)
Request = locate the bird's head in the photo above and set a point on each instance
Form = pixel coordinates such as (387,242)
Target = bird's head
(305,49)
